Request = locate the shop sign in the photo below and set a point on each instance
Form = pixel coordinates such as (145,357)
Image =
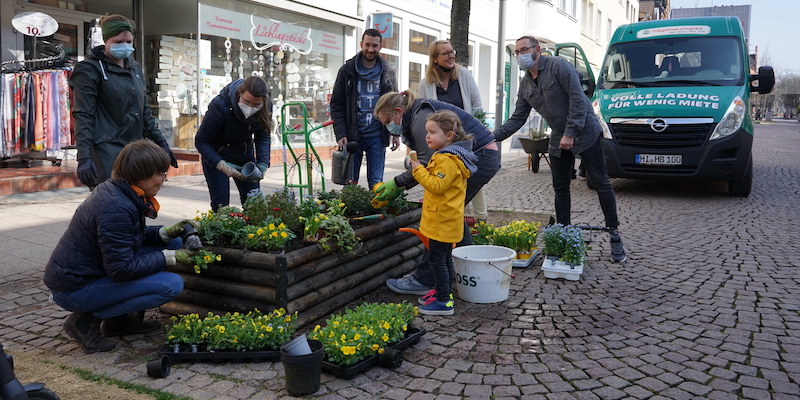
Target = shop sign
(31,23)
(271,33)
(383,23)
(262,32)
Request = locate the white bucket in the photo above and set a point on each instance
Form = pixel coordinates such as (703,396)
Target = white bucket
(483,273)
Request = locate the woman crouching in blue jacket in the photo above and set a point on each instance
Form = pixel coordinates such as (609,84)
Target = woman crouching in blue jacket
(110,266)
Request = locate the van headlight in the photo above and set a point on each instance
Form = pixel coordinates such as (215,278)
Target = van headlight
(731,121)
(599,115)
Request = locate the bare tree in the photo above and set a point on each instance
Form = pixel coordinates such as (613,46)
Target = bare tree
(459,29)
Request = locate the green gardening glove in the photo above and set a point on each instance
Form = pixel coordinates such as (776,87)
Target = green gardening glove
(176,230)
(263,167)
(184,256)
(388,191)
(231,170)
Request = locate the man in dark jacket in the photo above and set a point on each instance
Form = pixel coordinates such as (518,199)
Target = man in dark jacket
(552,87)
(359,84)
(110,107)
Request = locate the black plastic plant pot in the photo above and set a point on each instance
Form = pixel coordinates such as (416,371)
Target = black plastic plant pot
(218,356)
(391,358)
(303,372)
(159,368)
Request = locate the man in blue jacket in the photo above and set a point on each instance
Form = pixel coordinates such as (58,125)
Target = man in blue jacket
(552,87)
(359,84)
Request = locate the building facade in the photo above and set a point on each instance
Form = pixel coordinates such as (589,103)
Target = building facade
(190,49)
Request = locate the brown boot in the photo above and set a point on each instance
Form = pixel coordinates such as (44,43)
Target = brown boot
(128,324)
(85,329)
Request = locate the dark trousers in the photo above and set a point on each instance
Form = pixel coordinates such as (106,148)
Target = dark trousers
(593,161)
(440,259)
(219,187)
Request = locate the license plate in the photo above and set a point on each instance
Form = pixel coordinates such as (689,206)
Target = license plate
(659,159)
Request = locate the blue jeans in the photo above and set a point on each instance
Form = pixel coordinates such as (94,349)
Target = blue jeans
(106,298)
(376,159)
(488,165)
(593,161)
(219,187)
(440,259)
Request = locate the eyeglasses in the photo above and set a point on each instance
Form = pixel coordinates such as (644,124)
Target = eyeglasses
(448,53)
(523,50)
(247,103)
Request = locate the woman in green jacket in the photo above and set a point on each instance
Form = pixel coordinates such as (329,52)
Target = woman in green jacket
(110,107)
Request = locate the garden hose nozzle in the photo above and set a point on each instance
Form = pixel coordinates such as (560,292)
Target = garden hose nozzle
(375,202)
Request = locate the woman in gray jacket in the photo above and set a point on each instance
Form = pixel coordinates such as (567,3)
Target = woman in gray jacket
(110,107)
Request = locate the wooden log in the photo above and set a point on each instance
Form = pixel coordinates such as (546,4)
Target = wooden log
(323,264)
(230,272)
(224,302)
(259,293)
(327,276)
(349,281)
(310,253)
(334,303)
(181,308)
(246,258)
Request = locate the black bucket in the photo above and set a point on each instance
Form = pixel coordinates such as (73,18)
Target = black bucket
(342,166)
(303,372)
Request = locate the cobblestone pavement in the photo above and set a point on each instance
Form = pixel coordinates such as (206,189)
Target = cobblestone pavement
(706,307)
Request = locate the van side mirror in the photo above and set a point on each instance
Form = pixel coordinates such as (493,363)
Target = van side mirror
(765,78)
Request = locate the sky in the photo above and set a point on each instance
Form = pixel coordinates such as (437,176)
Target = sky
(770,28)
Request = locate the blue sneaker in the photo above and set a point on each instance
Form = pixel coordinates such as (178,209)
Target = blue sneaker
(407,285)
(436,307)
(430,298)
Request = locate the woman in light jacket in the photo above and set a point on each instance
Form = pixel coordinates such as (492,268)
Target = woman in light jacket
(452,83)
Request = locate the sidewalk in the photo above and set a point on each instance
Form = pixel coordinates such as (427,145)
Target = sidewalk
(706,307)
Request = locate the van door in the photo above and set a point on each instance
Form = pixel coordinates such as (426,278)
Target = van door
(573,53)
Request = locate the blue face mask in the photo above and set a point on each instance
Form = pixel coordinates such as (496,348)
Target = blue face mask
(393,128)
(526,61)
(121,50)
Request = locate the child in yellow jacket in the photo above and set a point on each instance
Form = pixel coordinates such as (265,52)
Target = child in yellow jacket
(445,182)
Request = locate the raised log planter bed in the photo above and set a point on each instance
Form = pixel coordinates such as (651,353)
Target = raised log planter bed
(312,281)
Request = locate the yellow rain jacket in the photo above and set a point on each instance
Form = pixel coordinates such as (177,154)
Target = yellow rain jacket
(445,183)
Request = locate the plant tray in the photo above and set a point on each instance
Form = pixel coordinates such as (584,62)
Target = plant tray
(391,358)
(186,355)
(553,271)
(525,263)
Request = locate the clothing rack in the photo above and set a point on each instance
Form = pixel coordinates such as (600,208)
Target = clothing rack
(34,110)
(33,64)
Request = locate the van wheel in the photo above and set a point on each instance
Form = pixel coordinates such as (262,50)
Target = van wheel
(742,187)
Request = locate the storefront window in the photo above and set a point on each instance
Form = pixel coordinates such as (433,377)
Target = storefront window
(123,7)
(392,43)
(419,42)
(415,73)
(392,59)
(296,55)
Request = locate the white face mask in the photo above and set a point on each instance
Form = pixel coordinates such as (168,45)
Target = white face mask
(526,61)
(248,111)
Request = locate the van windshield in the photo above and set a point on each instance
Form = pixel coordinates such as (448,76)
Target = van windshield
(712,61)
